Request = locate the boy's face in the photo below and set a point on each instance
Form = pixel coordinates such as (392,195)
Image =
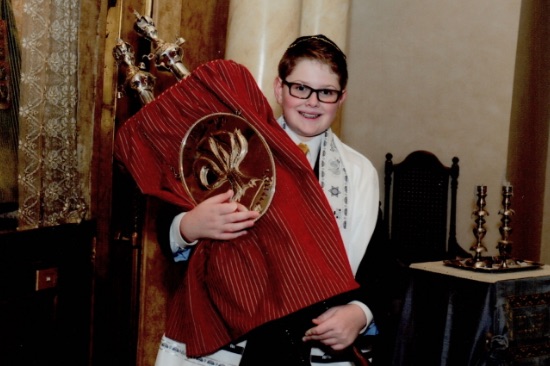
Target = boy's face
(308,117)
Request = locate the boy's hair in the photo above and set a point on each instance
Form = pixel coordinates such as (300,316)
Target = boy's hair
(317,48)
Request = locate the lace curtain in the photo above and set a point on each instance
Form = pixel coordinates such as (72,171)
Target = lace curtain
(48,181)
(10,65)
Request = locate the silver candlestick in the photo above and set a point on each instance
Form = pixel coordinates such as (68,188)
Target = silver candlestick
(479,230)
(503,262)
(505,244)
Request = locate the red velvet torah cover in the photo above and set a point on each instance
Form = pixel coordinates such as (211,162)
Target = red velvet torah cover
(293,257)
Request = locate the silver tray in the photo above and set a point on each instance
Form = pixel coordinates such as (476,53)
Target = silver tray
(493,265)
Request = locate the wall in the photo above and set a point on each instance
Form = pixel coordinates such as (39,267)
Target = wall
(545,253)
(529,128)
(436,75)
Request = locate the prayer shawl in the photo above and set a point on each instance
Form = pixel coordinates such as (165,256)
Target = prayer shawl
(293,256)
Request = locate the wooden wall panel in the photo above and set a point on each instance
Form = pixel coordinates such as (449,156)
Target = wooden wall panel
(203,26)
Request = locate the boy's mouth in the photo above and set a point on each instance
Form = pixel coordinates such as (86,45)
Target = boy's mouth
(310,115)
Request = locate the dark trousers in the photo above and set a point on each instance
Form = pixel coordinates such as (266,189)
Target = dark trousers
(279,342)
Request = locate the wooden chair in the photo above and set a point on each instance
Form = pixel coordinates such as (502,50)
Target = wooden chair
(419,215)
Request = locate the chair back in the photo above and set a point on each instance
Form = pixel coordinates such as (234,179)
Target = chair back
(419,215)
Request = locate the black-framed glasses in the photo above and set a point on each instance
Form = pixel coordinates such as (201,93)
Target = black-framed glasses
(301,91)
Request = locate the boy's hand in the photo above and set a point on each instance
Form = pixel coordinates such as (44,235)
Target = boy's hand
(217,218)
(337,327)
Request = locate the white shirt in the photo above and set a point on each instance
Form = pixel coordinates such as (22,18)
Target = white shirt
(363,210)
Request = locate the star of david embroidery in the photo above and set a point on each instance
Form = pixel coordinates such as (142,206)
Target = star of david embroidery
(335,191)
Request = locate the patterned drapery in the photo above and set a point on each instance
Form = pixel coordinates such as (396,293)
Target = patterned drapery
(49,188)
(10,65)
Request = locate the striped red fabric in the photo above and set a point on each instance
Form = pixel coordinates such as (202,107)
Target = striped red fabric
(294,255)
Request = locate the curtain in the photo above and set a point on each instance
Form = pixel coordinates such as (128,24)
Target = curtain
(10,63)
(48,182)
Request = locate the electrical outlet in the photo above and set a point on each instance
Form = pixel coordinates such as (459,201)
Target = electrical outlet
(45,279)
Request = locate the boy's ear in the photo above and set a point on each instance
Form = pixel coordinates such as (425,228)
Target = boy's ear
(343,97)
(278,89)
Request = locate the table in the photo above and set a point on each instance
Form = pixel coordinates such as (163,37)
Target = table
(453,316)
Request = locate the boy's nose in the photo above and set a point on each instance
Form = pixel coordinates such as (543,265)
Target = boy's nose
(313,99)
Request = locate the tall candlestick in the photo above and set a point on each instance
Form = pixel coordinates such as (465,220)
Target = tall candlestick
(479,230)
(505,244)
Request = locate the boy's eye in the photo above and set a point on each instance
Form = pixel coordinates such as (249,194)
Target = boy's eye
(328,92)
(301,88)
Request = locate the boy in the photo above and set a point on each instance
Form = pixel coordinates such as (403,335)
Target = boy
(281,287)
(310,89)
